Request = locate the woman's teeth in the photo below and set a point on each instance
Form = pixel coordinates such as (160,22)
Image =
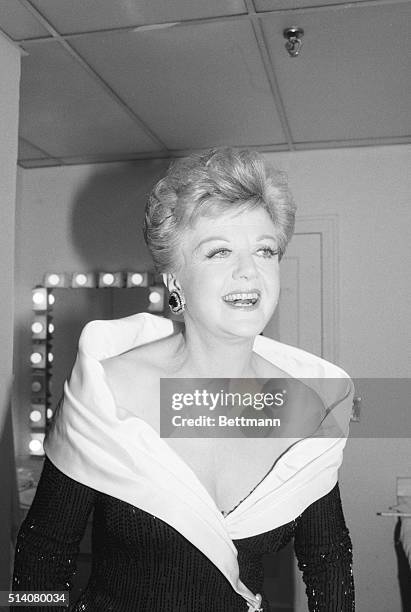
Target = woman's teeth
(241,298)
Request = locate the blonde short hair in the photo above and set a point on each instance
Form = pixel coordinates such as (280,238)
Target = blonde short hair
(210,183)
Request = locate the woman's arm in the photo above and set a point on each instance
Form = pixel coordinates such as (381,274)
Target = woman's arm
(324,552)
(49,537)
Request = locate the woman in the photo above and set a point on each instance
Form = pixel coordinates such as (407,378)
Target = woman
(181,524)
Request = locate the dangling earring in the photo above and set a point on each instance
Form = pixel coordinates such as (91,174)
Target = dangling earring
(176,302)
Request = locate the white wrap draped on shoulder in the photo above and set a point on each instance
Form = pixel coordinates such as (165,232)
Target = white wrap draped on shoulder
(121,455)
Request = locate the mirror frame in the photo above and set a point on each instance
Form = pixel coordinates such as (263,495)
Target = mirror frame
(42,331)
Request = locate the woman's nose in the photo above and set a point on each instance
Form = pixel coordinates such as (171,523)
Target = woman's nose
(245,267)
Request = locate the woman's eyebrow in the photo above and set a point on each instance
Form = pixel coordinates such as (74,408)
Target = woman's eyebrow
(265,236)
(209,239)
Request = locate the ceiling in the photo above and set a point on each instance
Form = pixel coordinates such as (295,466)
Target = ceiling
(134,79)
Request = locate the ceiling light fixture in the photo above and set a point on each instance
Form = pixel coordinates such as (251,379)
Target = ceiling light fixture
(294,42)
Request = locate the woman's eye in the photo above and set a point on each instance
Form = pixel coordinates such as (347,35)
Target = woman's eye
(268,252)
(222,253)
(217,253)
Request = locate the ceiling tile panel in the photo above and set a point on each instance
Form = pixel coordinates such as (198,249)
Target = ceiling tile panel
(17,22)
(274,5)
(65,112)
(80,16)
(352,77)
(196,86)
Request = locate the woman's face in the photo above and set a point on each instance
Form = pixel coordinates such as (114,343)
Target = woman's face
(229,272)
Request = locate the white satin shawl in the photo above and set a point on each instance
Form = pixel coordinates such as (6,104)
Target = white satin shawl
(121,455)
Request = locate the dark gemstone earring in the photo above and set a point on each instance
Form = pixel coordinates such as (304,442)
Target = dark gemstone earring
(176,302)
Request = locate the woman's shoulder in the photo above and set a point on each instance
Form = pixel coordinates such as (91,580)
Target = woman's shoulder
(308,373)
(138,370)
(296,361)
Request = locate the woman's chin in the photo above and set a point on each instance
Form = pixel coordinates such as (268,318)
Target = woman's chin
(246,324)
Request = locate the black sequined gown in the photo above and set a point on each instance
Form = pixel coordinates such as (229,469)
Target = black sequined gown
(142,564)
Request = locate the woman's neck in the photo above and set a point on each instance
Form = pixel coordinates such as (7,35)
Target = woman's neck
(202,354)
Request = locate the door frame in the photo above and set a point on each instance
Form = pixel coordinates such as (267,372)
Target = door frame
(326,226)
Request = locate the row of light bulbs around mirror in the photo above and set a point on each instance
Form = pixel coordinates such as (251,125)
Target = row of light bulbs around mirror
(43,299)
(42,330)
(40,411)
(102,279)
(41,358)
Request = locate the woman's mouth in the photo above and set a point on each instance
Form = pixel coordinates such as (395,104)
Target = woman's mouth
(244,301)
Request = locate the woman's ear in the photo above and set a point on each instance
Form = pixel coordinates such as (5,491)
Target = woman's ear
(171,282)
(165,279)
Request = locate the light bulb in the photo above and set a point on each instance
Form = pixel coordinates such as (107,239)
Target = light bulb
(35,446)
(35,416)
(36,358)
(37,327)
(137,278)
(154,297)
(81,279)
(53,279)
(38,297)
(108,279)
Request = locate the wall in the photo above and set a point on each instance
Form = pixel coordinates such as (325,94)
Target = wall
(9,105)
(87,217)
